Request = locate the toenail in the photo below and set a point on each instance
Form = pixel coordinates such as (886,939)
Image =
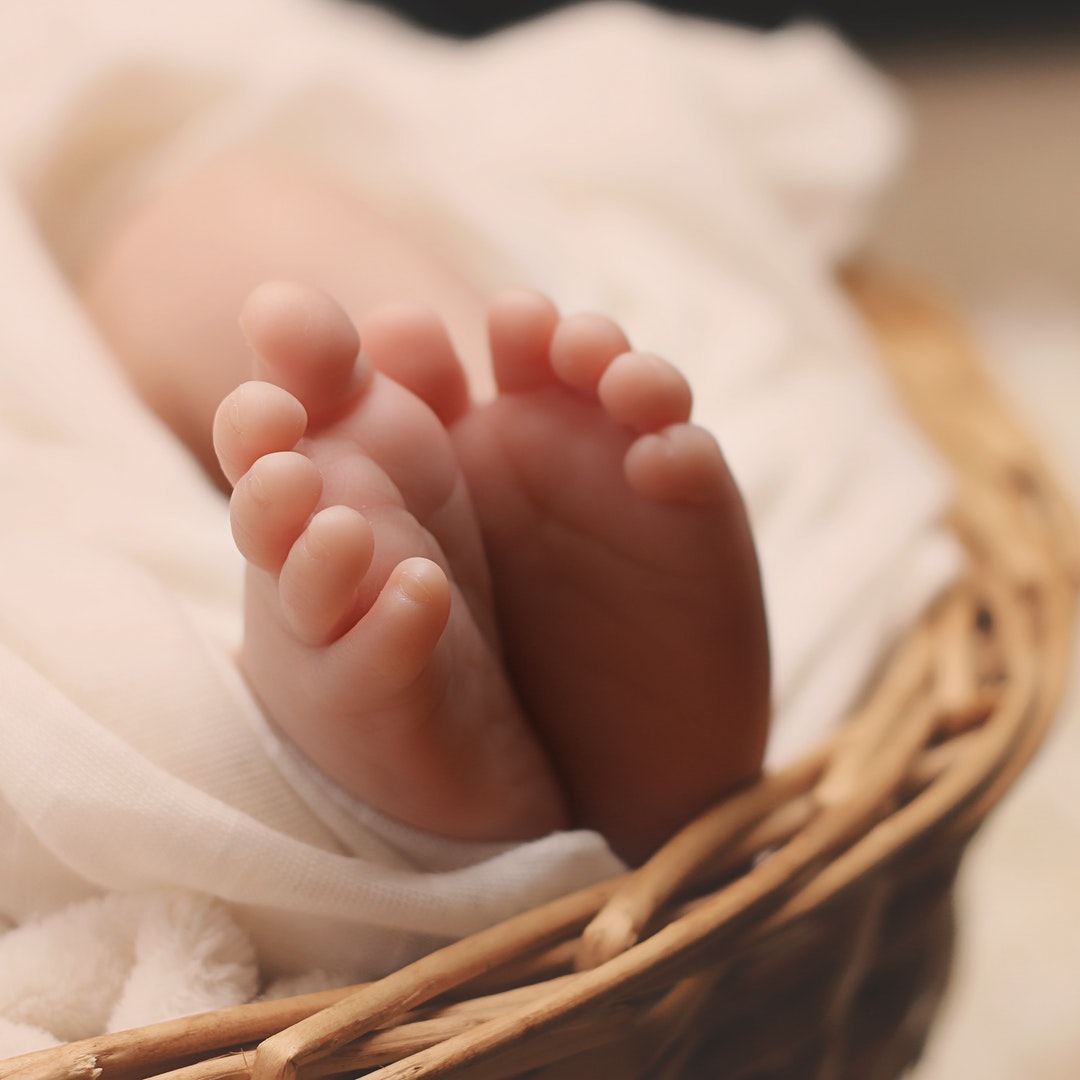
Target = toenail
(232,413)
(415,584)
(314,545)
(257,489)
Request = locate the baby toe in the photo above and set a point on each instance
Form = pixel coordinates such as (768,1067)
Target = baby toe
(644,392)
(305,343)
(582,348)
(321,575)
(681,463)
(411,345)
(270,506)
(520,325)
(256,419)
(394,641)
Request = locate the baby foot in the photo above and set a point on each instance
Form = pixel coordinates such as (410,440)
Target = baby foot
(369,632)
(626,580)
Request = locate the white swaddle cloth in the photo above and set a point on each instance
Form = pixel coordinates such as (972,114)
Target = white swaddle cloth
(160,851)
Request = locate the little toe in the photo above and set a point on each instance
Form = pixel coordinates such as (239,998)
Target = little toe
(395,639)
(270,506)
(520,326)
(681,463)
(305,343)
(643,392)
(256,419)
(321,575)
(583,347)
(412,346)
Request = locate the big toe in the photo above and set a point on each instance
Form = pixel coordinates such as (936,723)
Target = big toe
(411,345)
(305,343)
(520,325)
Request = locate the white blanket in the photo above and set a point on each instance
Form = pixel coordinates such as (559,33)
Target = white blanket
(160,851)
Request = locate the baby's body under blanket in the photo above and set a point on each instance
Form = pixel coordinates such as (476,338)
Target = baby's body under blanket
(160,850)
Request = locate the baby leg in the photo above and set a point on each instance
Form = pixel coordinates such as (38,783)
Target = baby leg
(166,288)
(369,635)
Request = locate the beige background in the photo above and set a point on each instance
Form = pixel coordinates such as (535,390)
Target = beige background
(989,210)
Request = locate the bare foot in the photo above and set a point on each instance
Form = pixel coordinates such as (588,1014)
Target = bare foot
(626,580)
(369,632)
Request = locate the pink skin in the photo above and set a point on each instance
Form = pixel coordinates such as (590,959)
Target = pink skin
(369,636)
(626,582)
(578,639)
(369,590)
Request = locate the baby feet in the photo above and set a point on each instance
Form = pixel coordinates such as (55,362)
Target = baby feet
(622,610)
(626,582)
(369,632)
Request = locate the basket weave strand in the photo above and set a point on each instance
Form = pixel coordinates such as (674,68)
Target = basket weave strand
(799,931)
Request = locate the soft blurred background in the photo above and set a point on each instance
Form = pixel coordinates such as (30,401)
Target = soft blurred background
(988,211)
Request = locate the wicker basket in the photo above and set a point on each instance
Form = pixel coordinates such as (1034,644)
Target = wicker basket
(803,928)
